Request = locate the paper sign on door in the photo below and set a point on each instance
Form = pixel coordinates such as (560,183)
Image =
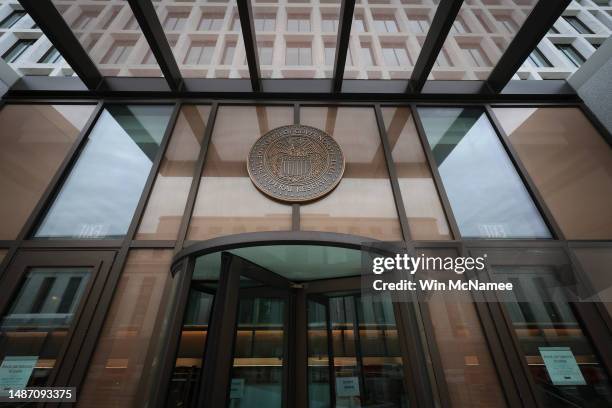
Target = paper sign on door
(561,366)
(15,372)
(347,386)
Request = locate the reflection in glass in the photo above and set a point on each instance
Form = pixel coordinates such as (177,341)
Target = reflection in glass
(35,139)
(570,164)
(486,194)
(227,201)
(188,364)
(595,264)
(166,205)
(259,354)
(319,389)
(426,217)
(368,366)
(347,209)
(38,321)
(469,371)
(101,192)
(122,370)
(546,321)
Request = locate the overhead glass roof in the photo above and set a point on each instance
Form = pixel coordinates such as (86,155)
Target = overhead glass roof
(402,40)
(111,36)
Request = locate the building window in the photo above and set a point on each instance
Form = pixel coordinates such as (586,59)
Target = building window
(485,191)
(12,19)
(330,54)
(26,166)
(16,51)
(476,55)
(578,25)
(538,59)
(265,22)
(571,54)
(329,23)
(175,21)
(508,23)
(200,53)
(51,56)
(212,22)
(385,24)
(298,23)
(131,24)
(266,51)
(359,24)
(553,30)
(443,60)
(367,58)
(228,53)
(395,56)
(459,26)
(118,53)
(99,196)
(236,22)
(84,19)
(550,142)
(299,54)
(418,24)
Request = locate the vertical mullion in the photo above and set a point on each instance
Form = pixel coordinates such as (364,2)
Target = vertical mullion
(433,166)
(295,207)
(395,188)
(245,13)
(342,42)
(78,374)
(358,349)
(523,173)
(197,175)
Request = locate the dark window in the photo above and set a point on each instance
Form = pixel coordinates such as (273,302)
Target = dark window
(571,54)
(538,59)
(17,50)
(578,25)
(51,56)
(12,18)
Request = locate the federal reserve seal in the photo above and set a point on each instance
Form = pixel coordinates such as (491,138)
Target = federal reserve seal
(295,163)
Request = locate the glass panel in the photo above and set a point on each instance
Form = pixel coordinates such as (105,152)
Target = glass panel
(549,142)
(122,369)
(426,217)
(387,37)
(205,38)
(110,34)
(259,354)
(319,391)
(227,201)
(188,366)
(38,321)
(481,33)
(470,373)
(487,195)
(547,324)
(164,212)
(368,366)
(347,209)
(100,195)
(595,263)
(34,142)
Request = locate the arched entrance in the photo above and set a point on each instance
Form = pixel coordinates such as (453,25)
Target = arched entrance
(279,320)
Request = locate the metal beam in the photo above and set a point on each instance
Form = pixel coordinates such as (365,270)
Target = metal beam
(537,24)
(48,18)
(342,42)
(245,12)
(440,26)
(145,14)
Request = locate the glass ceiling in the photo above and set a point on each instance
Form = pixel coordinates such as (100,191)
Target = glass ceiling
(297,38)
(110,34)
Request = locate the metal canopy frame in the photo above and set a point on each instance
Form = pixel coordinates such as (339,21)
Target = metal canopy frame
(541,18)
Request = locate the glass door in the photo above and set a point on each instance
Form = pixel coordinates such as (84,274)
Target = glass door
(47,301)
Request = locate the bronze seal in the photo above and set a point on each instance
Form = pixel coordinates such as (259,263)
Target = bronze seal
(295,163)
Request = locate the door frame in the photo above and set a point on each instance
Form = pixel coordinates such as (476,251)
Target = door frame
(79,332)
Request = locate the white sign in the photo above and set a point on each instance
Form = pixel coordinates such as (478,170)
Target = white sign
(347,386)
(15,373)
(561,366)
(237,388)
